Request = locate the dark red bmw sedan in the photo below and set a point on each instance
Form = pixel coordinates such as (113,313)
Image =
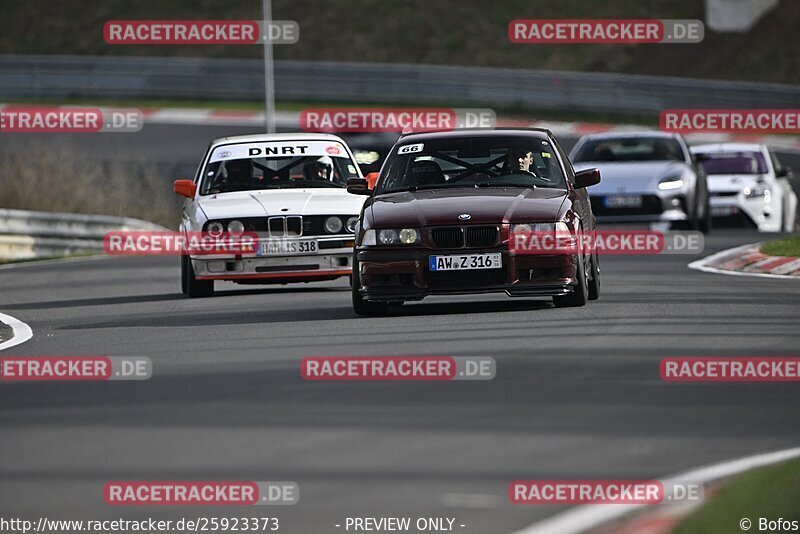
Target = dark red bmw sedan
(442,214)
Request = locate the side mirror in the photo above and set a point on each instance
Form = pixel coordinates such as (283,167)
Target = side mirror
(372,179)
(184,188)
(358,186)
(587,178)
(786,172)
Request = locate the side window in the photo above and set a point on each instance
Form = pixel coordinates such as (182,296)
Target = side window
(395,175)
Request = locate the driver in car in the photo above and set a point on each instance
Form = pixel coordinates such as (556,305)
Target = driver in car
(321,169)
(519,161)
(239,172)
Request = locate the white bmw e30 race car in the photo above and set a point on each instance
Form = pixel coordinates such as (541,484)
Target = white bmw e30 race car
(288,191)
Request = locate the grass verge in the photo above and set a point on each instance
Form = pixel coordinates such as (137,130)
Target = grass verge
(789,246)
(52,176)
(420,31)
(771,493)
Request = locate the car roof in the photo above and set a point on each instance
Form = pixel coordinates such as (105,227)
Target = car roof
(535,133)
(630,134)
(728,147)
(260,138)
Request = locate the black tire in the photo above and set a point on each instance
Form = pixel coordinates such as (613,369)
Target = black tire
(594,281)
(363,307)
(705,222)
(580,294)
(192,287)
(183,274)
(787,226)
(694,223)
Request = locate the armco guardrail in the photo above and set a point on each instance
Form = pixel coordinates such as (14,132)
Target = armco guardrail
(35,234)
(64,77)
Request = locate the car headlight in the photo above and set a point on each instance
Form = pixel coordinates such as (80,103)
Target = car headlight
(388,237)
(366,157)
(521,228)
(351,224)
(755,191)
(668,184)
(236,228)
(215,229)
(369,240)
(395,236)
(408,236)
(333,225)
(559,228)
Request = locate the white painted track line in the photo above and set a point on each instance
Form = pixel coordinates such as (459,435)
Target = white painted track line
(21,331)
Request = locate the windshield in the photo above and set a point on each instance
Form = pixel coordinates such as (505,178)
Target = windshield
(277,165)
(734,163)
(630,149)
(473,162)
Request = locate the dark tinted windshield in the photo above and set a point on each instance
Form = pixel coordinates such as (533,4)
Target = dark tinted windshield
(630,149)
(472,162)
(734,163)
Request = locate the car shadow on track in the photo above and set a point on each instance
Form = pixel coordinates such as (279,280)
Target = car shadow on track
(204,318)
(139,299)
(460,308)
(100,301)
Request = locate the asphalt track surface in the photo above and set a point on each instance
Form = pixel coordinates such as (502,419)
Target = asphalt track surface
(577,393)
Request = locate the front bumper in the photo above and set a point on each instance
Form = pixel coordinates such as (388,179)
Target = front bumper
(403,274)
(736,210)
(663,207)
(333,259)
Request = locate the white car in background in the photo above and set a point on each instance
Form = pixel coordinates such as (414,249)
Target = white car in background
(648,177)
(748,184)
(287,189)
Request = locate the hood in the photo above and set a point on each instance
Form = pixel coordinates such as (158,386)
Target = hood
(732,182)
(485,206)
(314,201)
(634,177)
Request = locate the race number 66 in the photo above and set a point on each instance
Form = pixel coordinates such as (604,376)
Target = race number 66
(409,149)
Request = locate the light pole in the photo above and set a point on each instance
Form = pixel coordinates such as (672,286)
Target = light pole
(269,78)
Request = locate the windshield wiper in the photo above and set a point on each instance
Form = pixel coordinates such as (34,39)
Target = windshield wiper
(422,187)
